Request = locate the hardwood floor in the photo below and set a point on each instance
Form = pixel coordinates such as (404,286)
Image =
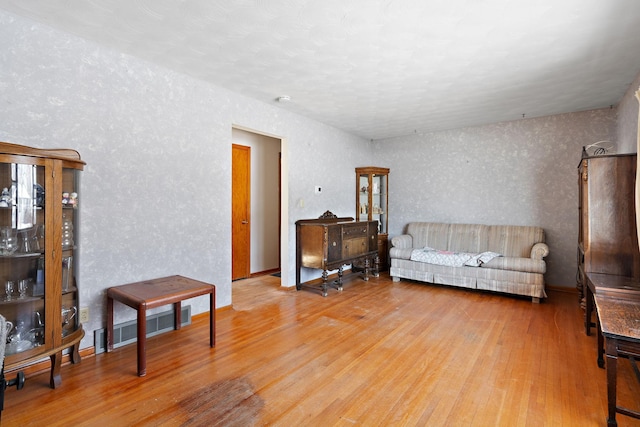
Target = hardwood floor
(377,354)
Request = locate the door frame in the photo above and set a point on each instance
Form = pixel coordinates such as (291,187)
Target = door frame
(285,232)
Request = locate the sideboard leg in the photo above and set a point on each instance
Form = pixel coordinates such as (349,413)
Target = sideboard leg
(340,271)
(325,278)
(376,266)
(367,266)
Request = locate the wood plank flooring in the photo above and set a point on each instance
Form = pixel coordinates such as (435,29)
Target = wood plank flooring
(377,354)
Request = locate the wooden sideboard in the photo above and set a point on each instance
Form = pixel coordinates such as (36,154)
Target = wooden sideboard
(329,243)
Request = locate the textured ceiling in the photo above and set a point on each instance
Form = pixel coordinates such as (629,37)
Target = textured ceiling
(378,68)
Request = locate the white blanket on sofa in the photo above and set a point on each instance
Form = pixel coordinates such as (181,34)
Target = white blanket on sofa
(452,259)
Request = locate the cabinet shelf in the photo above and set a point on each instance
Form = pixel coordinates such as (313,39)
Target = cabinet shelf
(17,300)
(22,255)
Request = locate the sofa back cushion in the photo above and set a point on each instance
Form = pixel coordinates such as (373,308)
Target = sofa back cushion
(432,234)
(468,238)
(514,240)
(507,240)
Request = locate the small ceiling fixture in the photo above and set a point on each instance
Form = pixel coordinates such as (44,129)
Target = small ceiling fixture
(283,98)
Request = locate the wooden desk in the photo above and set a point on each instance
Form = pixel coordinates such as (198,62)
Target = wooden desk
(619,320)
(608,285)
(155,293)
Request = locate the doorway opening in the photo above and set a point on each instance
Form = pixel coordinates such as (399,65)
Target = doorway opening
(256,204)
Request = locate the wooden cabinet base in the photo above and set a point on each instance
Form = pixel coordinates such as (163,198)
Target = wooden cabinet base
(72,342)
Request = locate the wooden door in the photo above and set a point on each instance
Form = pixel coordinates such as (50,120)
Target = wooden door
(240,211)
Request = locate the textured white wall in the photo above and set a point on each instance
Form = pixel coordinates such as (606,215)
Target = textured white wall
(156,191)
(522,172)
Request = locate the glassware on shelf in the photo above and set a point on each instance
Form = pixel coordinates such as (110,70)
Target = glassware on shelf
(9,326)
(36,335)
(8,240)
(5,198)
(40,236)
(67,316)
(9,287)
(19,340)
(29,240)
(67,262)
(25,242)
(67,231)
(23,286)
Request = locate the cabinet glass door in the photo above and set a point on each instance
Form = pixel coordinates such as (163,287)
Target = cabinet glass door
(70,317)
(363,208)
(22,243)
(379,201)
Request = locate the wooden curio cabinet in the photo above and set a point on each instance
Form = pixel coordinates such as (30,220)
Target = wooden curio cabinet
(372,204)
(38,244)
(607,238)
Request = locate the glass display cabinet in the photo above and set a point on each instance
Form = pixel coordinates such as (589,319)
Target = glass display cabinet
(372,197)
(38,244)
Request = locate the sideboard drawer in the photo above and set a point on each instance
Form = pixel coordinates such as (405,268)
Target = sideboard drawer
(355,247)
(355,230)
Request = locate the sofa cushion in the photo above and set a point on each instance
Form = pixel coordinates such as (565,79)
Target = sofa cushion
(467,238)
(528,265)
(451,258)
(514,240)
(433,234)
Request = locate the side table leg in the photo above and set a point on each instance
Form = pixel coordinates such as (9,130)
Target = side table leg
(142,341)
(612,361)
(212,319)
(109,324)
(588,309)
(600,343)
(177,313)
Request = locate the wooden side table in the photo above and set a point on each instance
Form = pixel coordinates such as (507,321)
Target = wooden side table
(619,320)
(155,293)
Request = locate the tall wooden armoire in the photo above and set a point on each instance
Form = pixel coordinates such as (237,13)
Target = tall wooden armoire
(607,238)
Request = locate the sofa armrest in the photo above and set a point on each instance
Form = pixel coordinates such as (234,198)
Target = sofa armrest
(403,241)
(539,251)
(528,265)
(398,253)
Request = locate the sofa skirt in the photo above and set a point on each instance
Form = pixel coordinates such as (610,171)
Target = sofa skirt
(512,282)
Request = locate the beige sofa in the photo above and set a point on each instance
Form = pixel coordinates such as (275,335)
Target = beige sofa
(500,258)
